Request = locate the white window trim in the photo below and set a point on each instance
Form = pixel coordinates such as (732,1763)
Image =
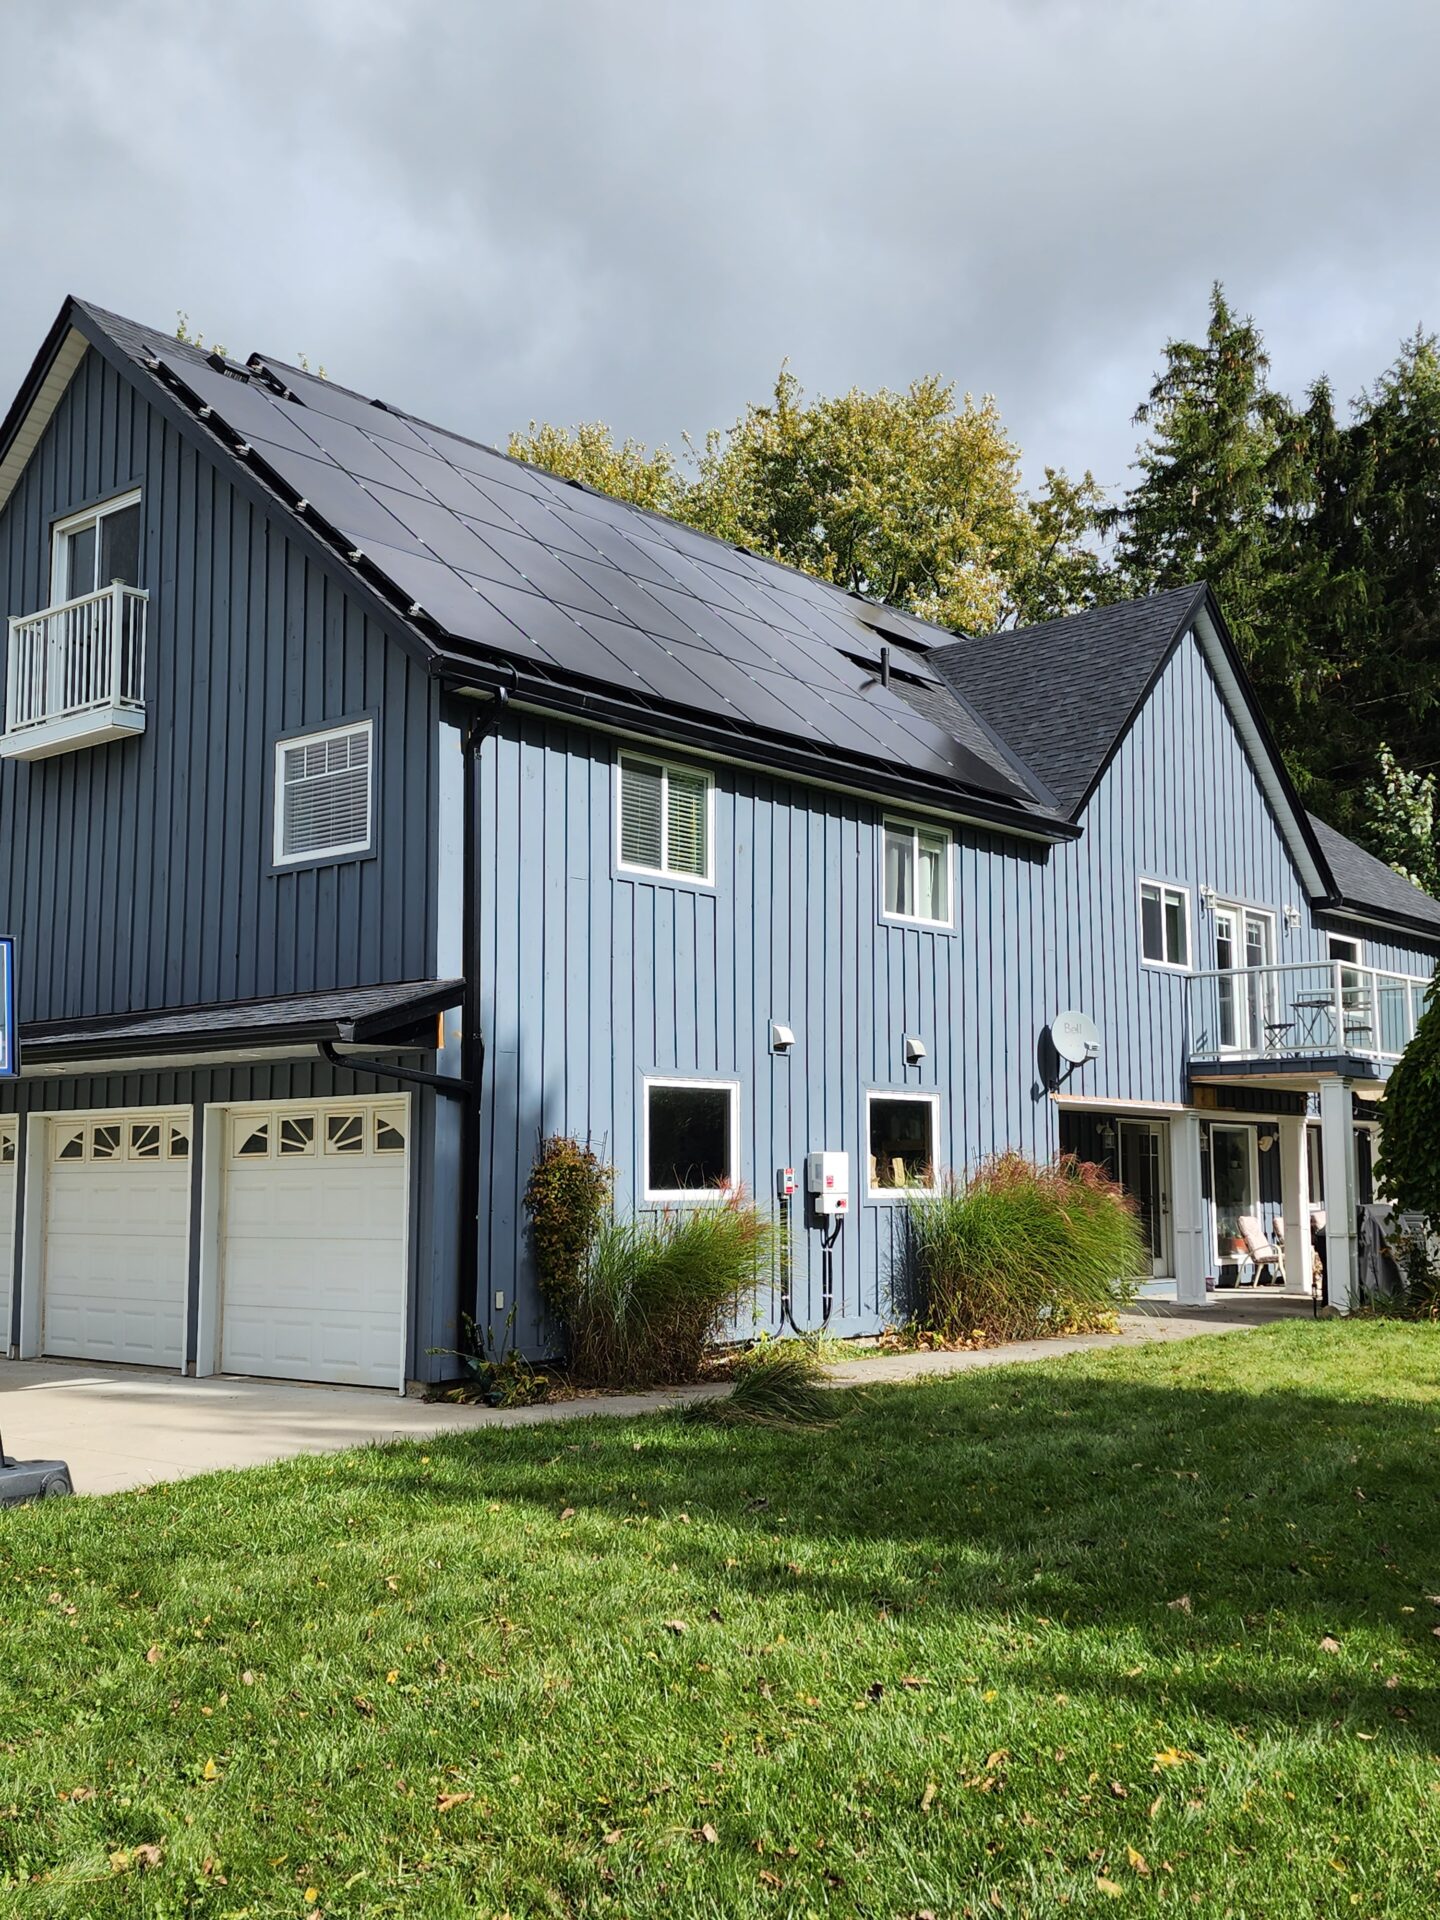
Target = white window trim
(1166,886)
(76,523)
(663,872)
(899,823)
(319,855)
(1357,959)
(688,1196)
(892,1196)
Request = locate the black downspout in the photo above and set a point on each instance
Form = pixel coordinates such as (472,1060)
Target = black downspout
(472,1039)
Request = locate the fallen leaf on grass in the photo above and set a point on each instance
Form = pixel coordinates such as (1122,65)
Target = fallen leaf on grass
(1329,1644)
(1120,1792)
(676,1626)
(612,1838)
(210,1771)
(1137,1861)
(1173,1756)
(147,1855)
(927,1799)
(1109,1888)
(1182,1605)
(568,1514)
(152,1657)
(768,1879)
(445,1801)
(708,1834)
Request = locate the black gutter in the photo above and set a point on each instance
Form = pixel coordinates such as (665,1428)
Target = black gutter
(463,676)
(410,1076)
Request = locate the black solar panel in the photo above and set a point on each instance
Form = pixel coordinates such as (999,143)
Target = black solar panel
(511,561)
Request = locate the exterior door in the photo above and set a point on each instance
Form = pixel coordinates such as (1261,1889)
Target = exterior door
(314,1242)
(1143,1174)
(1234,1183)
(1244,939)
(8,1139)
(117,1215)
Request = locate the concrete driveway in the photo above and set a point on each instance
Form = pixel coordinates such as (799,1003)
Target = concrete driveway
(124,1427)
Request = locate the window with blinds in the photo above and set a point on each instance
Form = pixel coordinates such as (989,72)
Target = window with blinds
(323,794)
(665,818)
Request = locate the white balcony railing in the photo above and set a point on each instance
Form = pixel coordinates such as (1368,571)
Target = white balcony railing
(1303,1011)
(75,674)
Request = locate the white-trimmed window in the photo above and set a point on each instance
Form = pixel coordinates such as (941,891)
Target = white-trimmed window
(902,1142)
(324,793)
(691,1138)
(94,549)
(1164,924)
(667,818)
(916,876)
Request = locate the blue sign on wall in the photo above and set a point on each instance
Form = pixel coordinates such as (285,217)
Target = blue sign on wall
(9,1034)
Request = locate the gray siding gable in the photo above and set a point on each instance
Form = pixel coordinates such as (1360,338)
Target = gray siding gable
(138,874)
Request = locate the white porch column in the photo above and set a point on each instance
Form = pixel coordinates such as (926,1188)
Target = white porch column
(1295,1196)
(1337,1146)
(1187,1214)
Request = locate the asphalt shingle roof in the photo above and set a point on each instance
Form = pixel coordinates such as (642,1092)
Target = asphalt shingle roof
(1363,881)
(1062,694)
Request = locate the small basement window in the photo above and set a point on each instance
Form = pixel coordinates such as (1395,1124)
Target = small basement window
(1164,924)
(903,1130)
(323,794)
(666,818)
(692,1138)
(917,873)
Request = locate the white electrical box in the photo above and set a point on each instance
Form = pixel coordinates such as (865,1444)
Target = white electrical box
(827,1181)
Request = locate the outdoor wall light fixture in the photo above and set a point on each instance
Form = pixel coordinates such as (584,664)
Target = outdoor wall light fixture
(1292,917)
(1265,1141)
(1208,898)
(1106,1130)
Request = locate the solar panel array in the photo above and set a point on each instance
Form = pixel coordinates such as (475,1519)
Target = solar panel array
(510,560)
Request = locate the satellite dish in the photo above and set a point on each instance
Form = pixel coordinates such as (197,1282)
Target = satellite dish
(1076,1037)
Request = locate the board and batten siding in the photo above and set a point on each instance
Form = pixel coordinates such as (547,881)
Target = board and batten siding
(592,979)
(138,874)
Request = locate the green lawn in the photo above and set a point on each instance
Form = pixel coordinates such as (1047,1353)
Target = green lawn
(1124,1632)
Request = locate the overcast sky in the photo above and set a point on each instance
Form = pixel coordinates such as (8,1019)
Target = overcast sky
(633,210)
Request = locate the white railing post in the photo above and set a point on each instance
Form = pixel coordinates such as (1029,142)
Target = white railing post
(117,637)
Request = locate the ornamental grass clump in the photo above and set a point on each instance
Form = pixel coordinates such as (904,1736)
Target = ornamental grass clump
(1019,1250)
(655,1291)
(778,1383)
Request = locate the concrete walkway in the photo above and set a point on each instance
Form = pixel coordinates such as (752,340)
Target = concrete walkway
(124,1427)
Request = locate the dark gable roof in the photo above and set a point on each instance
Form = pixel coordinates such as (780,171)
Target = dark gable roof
(513,577)
(1063,694)
(1369,886)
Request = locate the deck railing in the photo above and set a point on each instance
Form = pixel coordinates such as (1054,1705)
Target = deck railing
(1303,1011)
(82,656)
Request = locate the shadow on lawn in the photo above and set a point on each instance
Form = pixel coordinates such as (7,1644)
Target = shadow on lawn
(1280,1516)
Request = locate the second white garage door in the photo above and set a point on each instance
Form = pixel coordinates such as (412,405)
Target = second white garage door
(117,1211)
(313,1242)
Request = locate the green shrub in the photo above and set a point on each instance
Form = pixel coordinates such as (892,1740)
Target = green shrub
(1019,1250)
(566,1198)
(655,1291)
(1409,1166)
(778,1383)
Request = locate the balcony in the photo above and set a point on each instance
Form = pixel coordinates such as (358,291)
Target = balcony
(1300,1016)
(75,675)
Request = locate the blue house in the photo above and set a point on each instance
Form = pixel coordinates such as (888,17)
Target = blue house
(373,805)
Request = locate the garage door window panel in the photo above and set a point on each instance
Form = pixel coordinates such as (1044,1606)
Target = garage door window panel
(179,1141)
(344,1133)
(69,1143)
(145,1140)
(388,1135)
(252,1139)
(7,1147)
(297,1133)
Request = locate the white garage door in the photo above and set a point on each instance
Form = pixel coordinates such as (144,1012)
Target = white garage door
(8,1137)
(117,1209)
(313,1239)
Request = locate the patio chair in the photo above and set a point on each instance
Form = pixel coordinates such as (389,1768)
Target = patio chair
(1268,1257)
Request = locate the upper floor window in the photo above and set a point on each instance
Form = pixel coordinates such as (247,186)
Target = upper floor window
(1164,924)
(666,818)
(96,548)
(323,794)
(917,873)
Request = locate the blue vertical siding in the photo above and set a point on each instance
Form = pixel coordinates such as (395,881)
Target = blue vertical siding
(138,873)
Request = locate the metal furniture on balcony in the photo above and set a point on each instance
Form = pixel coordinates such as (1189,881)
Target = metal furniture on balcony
(1321,1010)
(75,674)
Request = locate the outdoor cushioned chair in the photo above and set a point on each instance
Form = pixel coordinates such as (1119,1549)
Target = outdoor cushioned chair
(1268,1257)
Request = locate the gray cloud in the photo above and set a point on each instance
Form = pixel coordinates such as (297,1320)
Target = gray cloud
(634,209)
